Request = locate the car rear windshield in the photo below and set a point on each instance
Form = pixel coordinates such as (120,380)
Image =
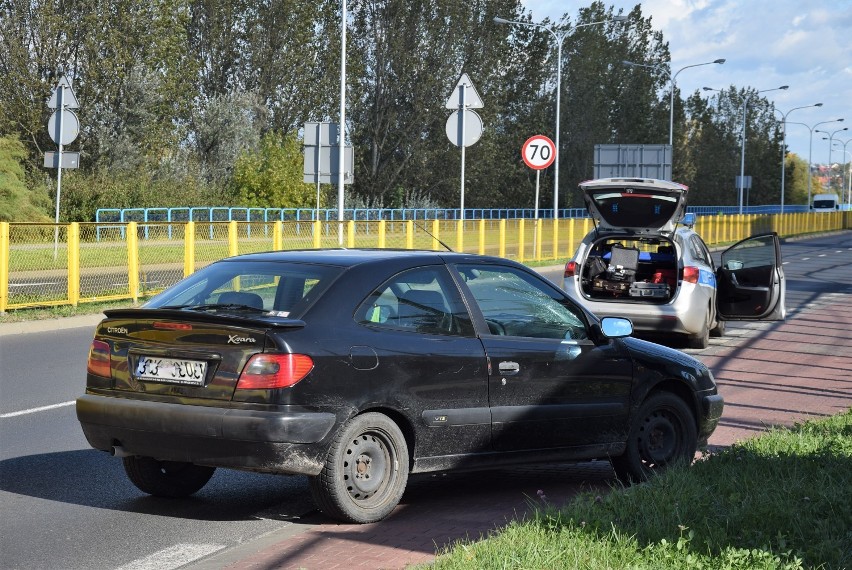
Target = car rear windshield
(639,208)
(284,288)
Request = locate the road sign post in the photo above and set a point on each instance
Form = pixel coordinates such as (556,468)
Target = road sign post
(538,153)
(63,128)
(464,127)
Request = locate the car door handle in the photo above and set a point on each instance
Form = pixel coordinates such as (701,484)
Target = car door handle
(508,368)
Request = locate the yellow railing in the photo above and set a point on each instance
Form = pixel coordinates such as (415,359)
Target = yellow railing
(61,264)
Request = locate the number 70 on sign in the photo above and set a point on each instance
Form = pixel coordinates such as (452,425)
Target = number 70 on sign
(538,152)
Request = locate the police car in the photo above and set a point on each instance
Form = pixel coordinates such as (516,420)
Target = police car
(643,260)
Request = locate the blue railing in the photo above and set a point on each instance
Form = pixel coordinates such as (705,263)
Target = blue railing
(227,214)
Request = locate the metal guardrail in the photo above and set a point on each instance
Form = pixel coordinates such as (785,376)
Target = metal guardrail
(61,264)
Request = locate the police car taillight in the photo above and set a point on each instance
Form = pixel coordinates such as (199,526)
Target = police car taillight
(690,274)
(570,269)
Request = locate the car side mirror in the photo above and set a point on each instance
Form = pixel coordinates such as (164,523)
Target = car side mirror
(616,327)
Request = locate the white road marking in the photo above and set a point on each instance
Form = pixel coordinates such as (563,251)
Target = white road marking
(35,410)
(173,557)
(822,255)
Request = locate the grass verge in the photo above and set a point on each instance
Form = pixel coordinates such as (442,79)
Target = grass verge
(781,500)
(60,311)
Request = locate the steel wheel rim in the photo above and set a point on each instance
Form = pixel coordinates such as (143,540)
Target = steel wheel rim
(366,471)
(660,439)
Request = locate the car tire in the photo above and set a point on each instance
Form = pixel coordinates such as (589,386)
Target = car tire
(365,472)
(172,479)
(719,330)
(663,433)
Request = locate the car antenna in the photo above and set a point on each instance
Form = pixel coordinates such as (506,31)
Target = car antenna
(432,236)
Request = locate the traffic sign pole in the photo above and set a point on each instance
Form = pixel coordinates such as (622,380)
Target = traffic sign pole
(538,153)
(60,101)
(461,110)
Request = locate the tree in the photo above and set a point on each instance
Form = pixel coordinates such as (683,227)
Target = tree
(271,176)
(17,202)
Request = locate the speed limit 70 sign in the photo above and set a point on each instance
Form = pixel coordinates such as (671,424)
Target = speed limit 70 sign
(538,152)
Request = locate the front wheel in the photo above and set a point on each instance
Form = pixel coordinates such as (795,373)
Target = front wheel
(663,433)
(365,472)
(166,478)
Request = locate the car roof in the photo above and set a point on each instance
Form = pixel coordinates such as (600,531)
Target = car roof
(637,205)
(342,257)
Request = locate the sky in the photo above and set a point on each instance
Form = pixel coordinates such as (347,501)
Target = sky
(806,44)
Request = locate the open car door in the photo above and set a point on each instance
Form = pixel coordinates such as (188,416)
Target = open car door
(750,280)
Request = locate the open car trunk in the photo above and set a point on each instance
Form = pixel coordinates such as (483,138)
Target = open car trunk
(643,270)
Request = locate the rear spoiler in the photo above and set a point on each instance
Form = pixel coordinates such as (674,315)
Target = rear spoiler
(268,319)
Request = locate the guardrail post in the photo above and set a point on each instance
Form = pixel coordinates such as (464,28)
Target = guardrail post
(409,234)
(73,239)
(233,246)
(133,261)
(501,249)
(4,266)
(278,235)
(317,234)
(459,235)
(382,233)
(350,234)
(436,230)
(189,249)
(482,236)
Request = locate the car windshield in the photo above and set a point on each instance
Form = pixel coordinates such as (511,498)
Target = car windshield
(284,289)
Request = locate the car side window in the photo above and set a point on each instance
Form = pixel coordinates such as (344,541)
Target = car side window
(423,300)
(515,303)
(699,250)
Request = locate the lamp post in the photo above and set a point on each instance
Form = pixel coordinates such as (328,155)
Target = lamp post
(840,144)
(672,80)
(811,150)
(830,141)
(784,145)
(848,167)
(742,148)
(558,37)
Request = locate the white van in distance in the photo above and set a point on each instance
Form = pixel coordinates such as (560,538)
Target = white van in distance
(825,203)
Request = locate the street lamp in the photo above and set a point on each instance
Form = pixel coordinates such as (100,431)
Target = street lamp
(830,140)
(784,145)
(672,79)
(742,149)
(558,37)
(848,167)
(811,150)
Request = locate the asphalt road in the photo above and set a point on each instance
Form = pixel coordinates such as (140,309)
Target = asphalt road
(65,505)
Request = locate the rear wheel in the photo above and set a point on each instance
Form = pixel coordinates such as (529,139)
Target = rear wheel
(663,433)
(166,478)
(365,472)
(718,330)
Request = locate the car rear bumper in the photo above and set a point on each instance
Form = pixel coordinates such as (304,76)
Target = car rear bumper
(686,314)
(269,441)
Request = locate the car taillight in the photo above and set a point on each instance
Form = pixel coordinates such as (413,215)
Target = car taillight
(570,269)
(99,362)
(268,371)
(690,274)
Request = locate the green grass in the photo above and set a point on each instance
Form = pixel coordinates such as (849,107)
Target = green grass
(781,500)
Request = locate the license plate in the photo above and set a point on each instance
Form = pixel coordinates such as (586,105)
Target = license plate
(172,370)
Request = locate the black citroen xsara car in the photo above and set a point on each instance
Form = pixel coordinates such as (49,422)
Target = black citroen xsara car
(359,367)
